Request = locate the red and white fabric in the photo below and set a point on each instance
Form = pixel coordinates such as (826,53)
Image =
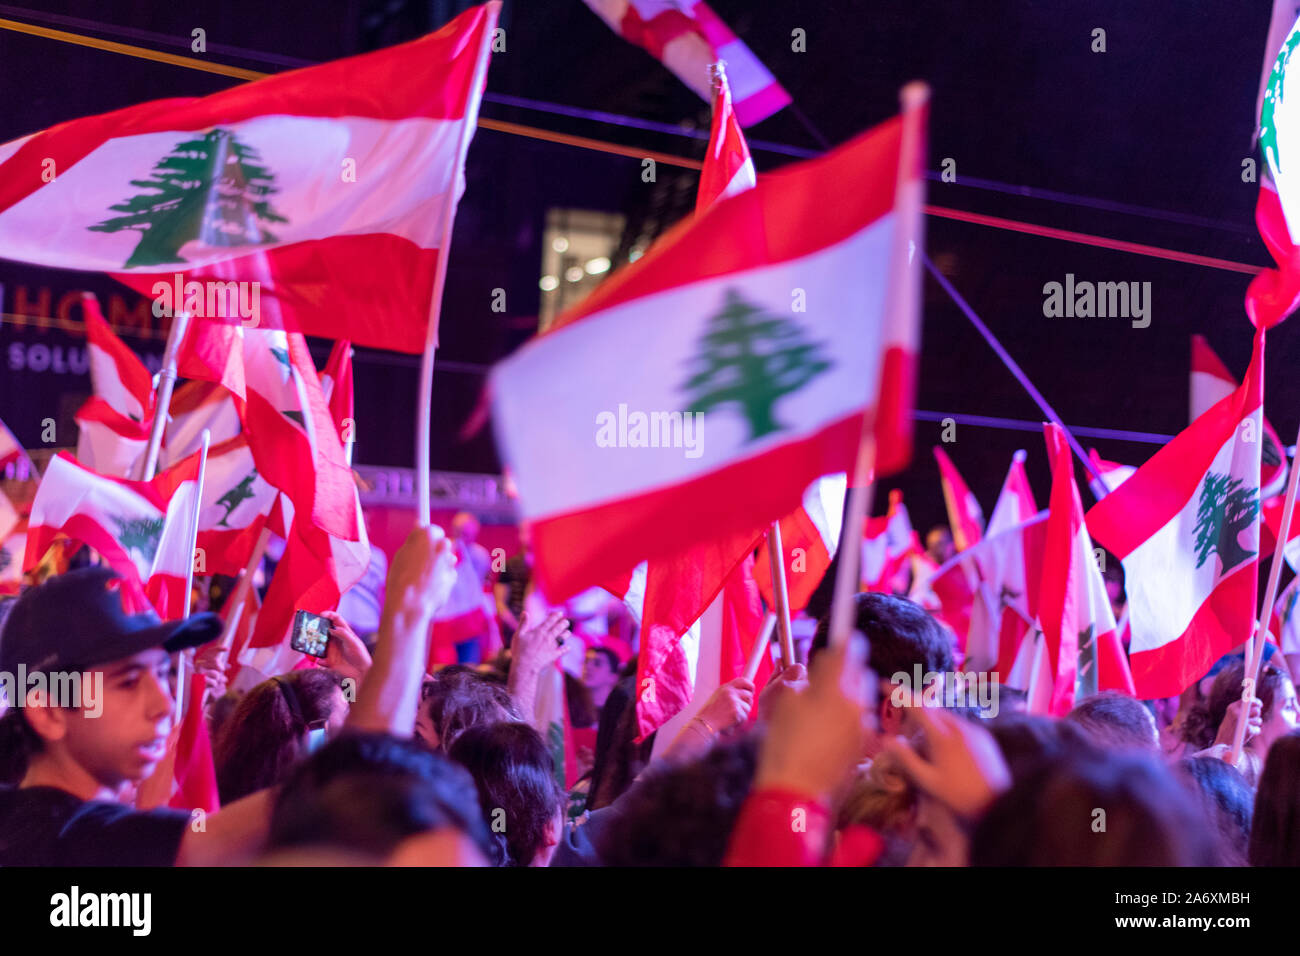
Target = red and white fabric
(1186,527)
(345,173)
(965,516)
(113,425)
(686,36)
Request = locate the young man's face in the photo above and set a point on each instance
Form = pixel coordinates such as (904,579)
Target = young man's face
(597,673)
(129,737)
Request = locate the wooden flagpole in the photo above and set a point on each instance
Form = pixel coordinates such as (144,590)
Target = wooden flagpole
(163,396)
(913,98)
(193,536)
(1255,647)
(424,408)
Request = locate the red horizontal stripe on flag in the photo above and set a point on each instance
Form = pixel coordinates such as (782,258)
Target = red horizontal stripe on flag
(735,494)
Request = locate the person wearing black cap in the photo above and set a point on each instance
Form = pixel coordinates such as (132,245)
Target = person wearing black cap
(66,809)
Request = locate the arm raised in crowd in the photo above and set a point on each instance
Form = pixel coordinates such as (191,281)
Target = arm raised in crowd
(419,581)
(233,836)
(535,648)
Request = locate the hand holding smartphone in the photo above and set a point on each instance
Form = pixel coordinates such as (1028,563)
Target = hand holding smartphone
(311,634)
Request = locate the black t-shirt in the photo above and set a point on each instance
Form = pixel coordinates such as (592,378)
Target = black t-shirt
(45,826)
(515,577)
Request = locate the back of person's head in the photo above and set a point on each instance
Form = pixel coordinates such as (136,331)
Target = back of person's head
(901,635)
(458,698)
(366,793)
(267,734)
(1030,741)
(682,814)
(514,772)
(1115,720)
(1226,801)
(1201,725)
(1275,831)
(1090,808)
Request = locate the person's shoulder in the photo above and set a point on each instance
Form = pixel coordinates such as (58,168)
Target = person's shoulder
(100,833)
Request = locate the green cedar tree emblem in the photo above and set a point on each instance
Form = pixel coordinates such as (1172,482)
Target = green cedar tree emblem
(751,358)
(212,188)
(233,498)
(139,534)
(1273,99)
(1225,509)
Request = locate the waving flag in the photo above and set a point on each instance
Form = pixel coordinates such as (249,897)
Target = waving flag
(113,425)
(810,536)
(686,36)
(1082,645)
(755,389)
(1275,293)
(1186,527)
(10,450)
(327,186)
(1211,382)
(888,543)
(1113,474)
(197,406)
(965,516)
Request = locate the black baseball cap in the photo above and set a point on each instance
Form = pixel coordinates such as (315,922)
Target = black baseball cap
(75,621)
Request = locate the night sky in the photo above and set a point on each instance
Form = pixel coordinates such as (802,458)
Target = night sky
(1161,120)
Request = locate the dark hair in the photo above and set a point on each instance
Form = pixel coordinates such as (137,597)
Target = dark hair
(614,663)
(1050,817)
(18,744)
(515,775)
(1275,832)
(620,757)
(367,792)
(582,709)
(1201,725)
(458,698)
(267,734)
(682,814)
(1113,719)
(1227,802)
(901,634)
(1030,741)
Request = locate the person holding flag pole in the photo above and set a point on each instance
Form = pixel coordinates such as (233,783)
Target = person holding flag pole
(166,382)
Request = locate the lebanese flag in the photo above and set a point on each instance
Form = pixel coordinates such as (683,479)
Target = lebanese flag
(329,185)
(1186,527)
(197,405)
(237,503)
(809,536)
(113,425)
(728,167)
(1002,611)
(964,513)
(336,387)
(10,449)
(1082,644)
(888,543)
(285,415)
(780,395)
(687,36)
(1211,383)
(141,528)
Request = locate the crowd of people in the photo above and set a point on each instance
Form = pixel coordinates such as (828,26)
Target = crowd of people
(379,754)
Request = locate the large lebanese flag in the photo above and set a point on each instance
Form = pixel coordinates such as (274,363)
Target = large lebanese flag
(329,185)
(710,314)
(1083,647)
(1186,527)
(687,36)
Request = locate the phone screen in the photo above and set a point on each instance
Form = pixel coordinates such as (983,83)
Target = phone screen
(311,634)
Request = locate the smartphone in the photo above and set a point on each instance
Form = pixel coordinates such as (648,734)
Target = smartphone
(311,634)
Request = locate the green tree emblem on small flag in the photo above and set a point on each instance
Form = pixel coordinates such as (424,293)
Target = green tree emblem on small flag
(139,534)
(751,358)
(236,496)
(1225,509)
(213,188)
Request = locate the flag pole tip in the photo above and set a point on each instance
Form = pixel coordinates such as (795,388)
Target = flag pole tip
(1020,456)
(914,95)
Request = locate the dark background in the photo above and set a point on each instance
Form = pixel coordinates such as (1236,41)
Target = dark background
(1161,120)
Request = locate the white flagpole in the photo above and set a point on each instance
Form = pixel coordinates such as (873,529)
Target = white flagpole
(189,571)
(424,409)
(240,595)
(761,643)
(780,593)
(166,382)
(1255,647)
(908,201)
